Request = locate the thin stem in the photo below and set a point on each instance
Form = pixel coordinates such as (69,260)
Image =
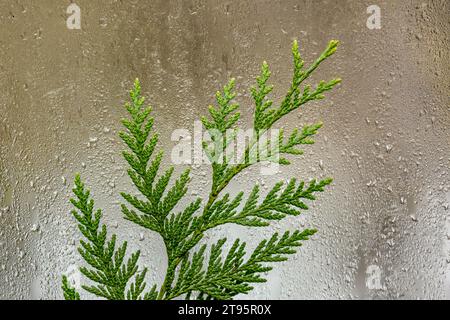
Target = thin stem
(168,279)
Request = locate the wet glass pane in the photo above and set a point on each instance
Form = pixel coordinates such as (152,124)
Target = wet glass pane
(383,225)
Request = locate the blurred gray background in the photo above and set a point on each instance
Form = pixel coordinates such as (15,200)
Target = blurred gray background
(384,225)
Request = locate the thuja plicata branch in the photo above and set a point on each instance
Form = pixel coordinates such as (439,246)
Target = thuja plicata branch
(196,270)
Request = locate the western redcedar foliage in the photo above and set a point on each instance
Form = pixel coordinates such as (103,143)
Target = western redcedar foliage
(114,274)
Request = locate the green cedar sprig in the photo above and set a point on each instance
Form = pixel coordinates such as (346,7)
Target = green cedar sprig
(108,267)
(188,274)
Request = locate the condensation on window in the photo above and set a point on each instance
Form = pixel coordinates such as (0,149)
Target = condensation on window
(383,226)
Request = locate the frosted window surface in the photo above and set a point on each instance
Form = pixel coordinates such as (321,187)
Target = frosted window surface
(384,226)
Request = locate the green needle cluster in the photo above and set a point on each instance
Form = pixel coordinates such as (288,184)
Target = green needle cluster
(196,270)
